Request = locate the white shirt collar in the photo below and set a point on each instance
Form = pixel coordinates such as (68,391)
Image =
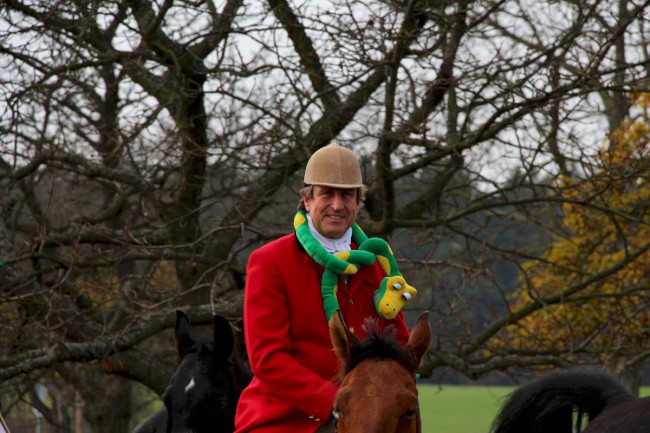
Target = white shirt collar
(331,245)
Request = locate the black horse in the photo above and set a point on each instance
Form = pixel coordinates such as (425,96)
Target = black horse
(202,394)
(553,402)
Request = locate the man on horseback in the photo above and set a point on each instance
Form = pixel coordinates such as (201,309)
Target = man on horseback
(295,283)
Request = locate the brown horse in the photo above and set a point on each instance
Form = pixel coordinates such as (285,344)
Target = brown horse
(377,391)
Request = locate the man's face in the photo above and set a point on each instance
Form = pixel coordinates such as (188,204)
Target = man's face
(333,210)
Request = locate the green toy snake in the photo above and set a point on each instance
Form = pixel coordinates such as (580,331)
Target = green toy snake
(393,292)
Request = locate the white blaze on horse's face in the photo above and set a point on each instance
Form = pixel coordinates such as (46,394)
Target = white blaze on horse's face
(190,385)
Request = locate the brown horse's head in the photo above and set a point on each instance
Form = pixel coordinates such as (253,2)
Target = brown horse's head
(378,392)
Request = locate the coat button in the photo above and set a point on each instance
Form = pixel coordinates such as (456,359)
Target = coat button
(351,330)
(351,302)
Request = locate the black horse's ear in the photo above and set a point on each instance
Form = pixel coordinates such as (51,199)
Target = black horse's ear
(184,341)
(224,340)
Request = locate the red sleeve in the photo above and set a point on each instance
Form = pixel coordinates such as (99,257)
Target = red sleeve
(402,330)
(266,325)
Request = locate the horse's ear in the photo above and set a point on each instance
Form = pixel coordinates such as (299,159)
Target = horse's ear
(419,340)
(343,340)
(184,341)
(224,340)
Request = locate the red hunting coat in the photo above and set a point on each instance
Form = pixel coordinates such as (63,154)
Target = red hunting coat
(287,337)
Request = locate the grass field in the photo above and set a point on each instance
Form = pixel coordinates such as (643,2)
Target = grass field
(459,409)
(463,409)
(451,408)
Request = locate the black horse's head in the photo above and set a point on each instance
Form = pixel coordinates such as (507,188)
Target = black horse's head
(203,393)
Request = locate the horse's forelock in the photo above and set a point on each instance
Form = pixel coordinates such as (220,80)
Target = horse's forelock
(379,344)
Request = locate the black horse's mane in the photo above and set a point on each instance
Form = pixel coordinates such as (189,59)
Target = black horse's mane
(549,403)
(379,345)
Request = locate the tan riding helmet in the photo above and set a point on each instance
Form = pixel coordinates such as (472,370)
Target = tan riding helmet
(333,165)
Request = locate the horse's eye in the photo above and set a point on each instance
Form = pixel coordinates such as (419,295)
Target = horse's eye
(409,414)
(337,412)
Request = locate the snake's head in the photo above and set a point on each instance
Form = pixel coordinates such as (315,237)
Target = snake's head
(393,294)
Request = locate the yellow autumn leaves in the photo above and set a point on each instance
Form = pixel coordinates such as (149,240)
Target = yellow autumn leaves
(591,284)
